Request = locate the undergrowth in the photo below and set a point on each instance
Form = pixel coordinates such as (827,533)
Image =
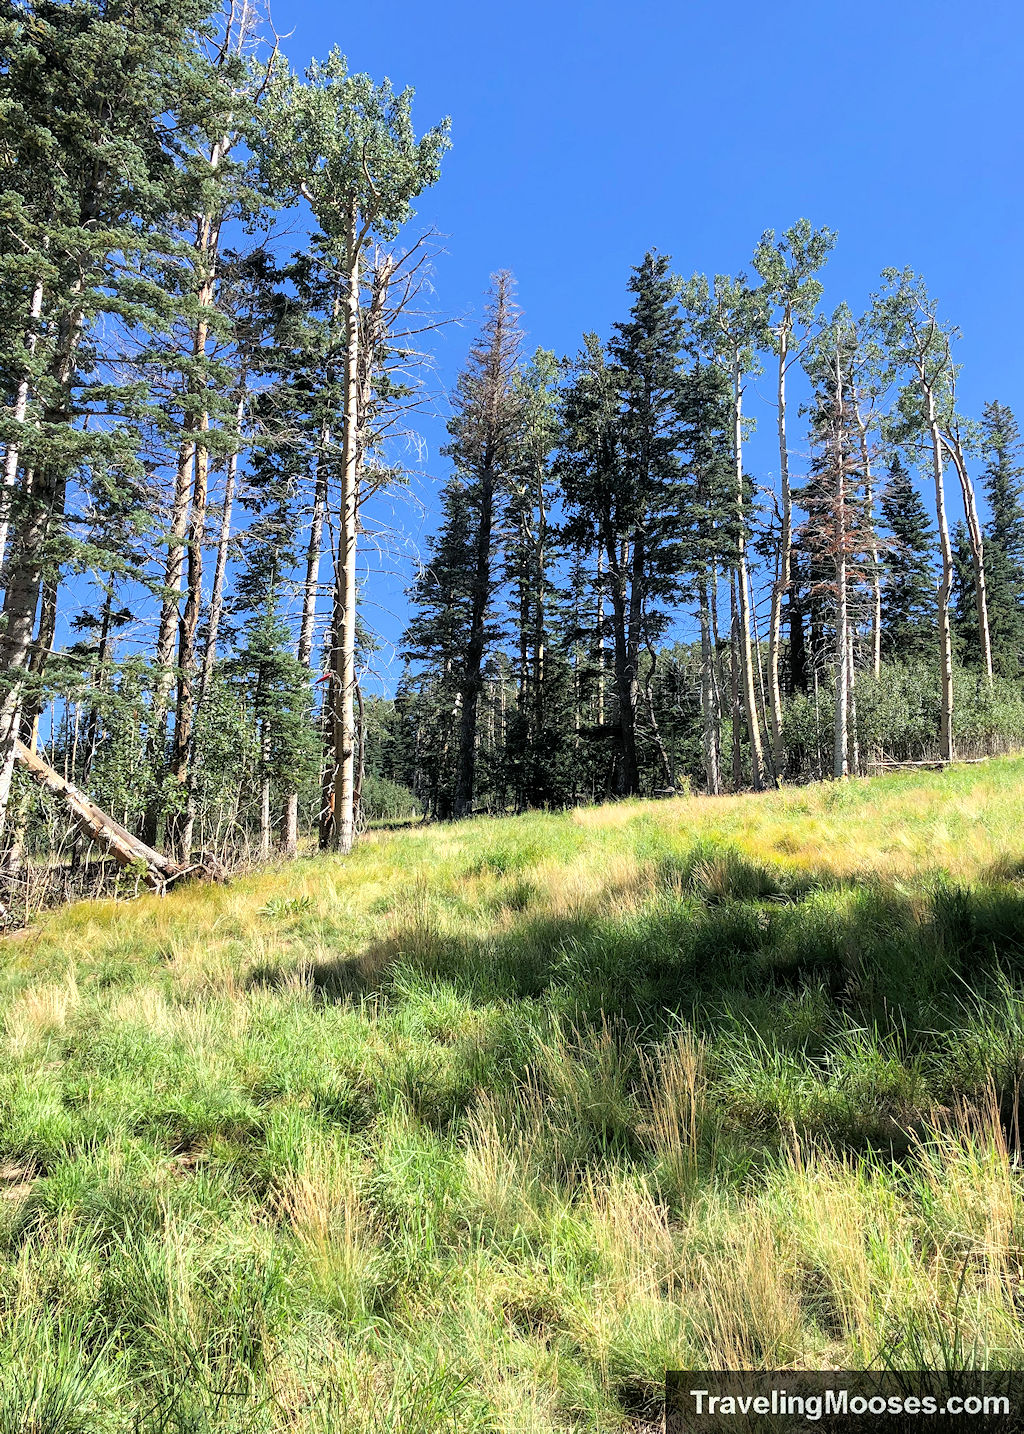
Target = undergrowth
(485,1126)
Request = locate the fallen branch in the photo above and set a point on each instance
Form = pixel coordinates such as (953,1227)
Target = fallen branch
(156,869)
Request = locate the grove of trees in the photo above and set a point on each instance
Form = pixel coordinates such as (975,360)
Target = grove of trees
(214,343)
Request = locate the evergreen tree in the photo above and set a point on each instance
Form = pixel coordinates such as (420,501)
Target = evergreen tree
(436,643)
(908,589)
(97,103)
(622,475)
(486,430)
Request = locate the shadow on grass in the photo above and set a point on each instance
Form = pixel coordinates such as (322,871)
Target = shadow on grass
(849,1010)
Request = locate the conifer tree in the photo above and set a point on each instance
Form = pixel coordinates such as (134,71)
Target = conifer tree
(97,100)
(486,431)
(436,642)
(529,550)
(908,589)
(622,480)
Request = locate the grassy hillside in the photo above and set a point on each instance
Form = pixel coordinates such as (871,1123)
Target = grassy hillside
(483,1127)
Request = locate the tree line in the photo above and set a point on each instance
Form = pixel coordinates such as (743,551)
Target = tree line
(840,622)
(200,415)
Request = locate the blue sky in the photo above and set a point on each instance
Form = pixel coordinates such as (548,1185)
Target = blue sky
(585,133)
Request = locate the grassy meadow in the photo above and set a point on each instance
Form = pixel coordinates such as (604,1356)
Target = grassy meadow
(481,1128)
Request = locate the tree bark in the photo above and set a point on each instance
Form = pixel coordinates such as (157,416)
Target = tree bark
(13,454)
(782,581)
(343,666)
(955,451)
(749,693)
(465,779)
(946,737)
(156,869)
(710,701)
(45,494)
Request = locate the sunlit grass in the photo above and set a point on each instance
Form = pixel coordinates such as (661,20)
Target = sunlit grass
(484,1126)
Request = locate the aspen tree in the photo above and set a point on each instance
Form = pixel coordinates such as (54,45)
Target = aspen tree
(918,351)
(726,319)
(787,268)
(350,151)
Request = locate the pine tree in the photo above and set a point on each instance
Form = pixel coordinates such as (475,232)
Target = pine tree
(908,589)
(528,556)
(435,643)
(485,430)
(622,476)
(98,101)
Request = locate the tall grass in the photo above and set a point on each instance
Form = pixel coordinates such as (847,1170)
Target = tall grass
(484,1127)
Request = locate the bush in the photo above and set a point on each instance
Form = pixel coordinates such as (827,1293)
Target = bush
(387,801)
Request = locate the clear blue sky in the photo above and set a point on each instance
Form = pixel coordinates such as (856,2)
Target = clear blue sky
(585,133)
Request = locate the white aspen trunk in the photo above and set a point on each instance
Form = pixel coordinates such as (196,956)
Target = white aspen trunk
(946,739)
(344,653)
(842,657)
(735,685)
(851,672)
(600,636)
(840,754)
(25,582)
(876,574)
(782,581)
(219,570)
(109,835)
(709,701)
(266,829)
(304,651)
(747,682)
(761,689)
(977,553)
(11,457)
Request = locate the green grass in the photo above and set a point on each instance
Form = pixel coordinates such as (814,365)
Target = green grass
(484,1126)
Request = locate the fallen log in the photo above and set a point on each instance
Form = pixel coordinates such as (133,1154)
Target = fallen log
(156,869)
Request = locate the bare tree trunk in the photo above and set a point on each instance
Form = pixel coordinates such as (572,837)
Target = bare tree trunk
(45,491)
(955,451)
(465,780)
(304,653)
(109,835)
(360,758)
(663,757)
(266,826)
(852,711)
(761,691)
(343,665)
(710,701)
(92,728)
(782,581)
(625,691)
(600,636)
(12,456)
(745,654)
(220,566)
(876,570)
(946,739)
(735,686)
(840,752)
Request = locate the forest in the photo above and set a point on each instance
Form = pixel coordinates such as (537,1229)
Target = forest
(510,817)
(217,319)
